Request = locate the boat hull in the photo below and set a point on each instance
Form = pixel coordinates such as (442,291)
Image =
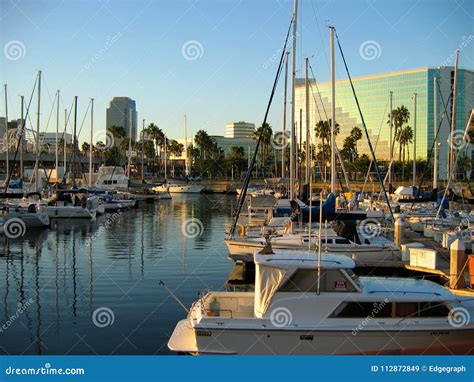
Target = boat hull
(207,341)
(362,256)
(68,212)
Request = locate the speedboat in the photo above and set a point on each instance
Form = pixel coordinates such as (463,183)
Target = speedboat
(305,304)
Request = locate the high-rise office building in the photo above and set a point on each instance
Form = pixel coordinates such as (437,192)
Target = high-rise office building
(373,95)
(121,112)
(239,130)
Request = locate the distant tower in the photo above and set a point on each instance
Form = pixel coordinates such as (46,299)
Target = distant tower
(118,114)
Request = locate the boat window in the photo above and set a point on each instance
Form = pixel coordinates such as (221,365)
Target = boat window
(342,241)
(376,309)
(382,309)
(420,309)
(306,280)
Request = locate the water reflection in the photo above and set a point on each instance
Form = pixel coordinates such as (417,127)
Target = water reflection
(115,262)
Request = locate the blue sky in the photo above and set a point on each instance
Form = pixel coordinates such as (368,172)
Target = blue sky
(102,49)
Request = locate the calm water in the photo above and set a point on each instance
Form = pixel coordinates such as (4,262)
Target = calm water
(52,282)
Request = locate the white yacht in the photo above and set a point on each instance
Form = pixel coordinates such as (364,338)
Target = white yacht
(293,311)
(110,178)
(178,188)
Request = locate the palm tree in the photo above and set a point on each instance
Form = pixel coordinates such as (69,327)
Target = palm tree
(400,117)
(323,132)
(157,136)
(176,148)
(405,137)
(266,132)
(203,140)
(118,132)
(85,147)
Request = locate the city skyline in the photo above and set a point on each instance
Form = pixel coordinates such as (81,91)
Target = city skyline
(220,64)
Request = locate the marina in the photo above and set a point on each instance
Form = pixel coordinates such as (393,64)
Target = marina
(343,224)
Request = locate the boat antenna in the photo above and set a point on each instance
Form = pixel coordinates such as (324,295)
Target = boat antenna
(374,159)
(243,194)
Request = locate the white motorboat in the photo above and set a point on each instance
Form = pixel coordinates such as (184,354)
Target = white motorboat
(110,178)
(178,188)
(303,304)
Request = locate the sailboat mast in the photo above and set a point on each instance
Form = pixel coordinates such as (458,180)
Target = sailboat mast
(56,151)
(293,122)
(453,125)
(22,98)
(166,159)
(284,139)
(435,127)
(6,144)
(333,110)
(129,145)
(74,145)
(390,165)
(308,158)
(37,183)
(91,144)
(64,143)
(186,157)
(414,139)
(143,143)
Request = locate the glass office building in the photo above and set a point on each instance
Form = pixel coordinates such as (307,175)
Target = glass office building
(373,94)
